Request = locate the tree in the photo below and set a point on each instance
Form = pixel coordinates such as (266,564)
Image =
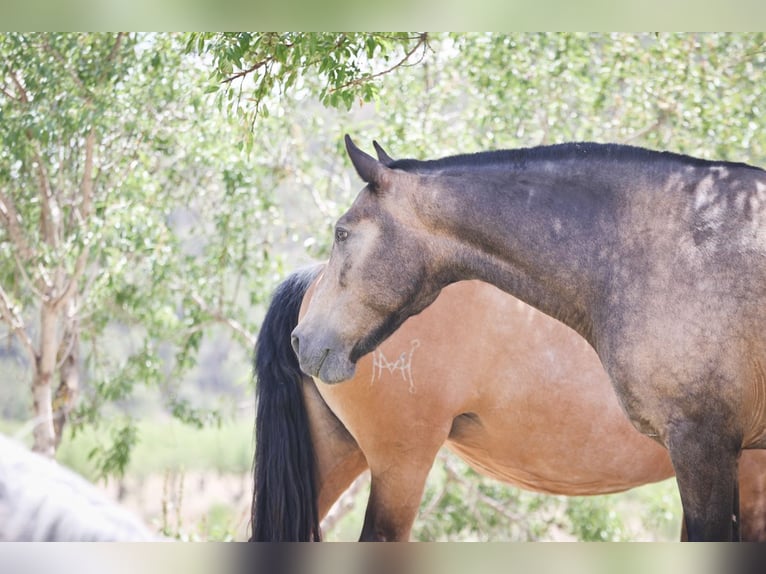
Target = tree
(109,153)
(54,91)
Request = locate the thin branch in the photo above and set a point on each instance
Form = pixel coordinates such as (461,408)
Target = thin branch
(648,129)
(71,286)
(320,203)
(86,189)
(761,49)
(9,95)
(346,503)
(47,282)
(497,507)
(47,201)
(68,67)
(47,213)
(250,70)
(422,41)
(10,216)
(254,67)
(116,47)
(217,315)
(87,289)
(30,284)
(15,322)
(23,97)
(70,337)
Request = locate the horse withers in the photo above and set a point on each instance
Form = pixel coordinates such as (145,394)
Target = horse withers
(658,260)
(517,395)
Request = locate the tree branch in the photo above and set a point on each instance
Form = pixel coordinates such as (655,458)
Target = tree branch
(250,70)
(470,486)
(71,286)
(422,41)
(9,95)
(47,281)
(68,67)
(15,323)
(661,118)
(19,87)
(345,503)
(10,215)
(33,287)
(234,325)
(47,201)
(254,67)
(42,177)
(86,203)
(116,47)
(71,335)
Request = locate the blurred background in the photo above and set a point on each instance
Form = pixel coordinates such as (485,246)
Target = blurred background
(154,188)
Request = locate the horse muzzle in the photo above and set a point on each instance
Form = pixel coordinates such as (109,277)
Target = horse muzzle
(321,358)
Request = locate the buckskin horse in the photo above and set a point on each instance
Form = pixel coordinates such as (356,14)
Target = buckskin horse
(657,259)
(517,395)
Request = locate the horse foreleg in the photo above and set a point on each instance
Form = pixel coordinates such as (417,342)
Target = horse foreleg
(339,460)
(706,471)
(396,488)
(752,492)
(392,507)
(735,514)
(736,519)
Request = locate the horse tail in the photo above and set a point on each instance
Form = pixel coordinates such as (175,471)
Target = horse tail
(284,505)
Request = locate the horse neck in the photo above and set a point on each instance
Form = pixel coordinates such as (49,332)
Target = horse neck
(531,233)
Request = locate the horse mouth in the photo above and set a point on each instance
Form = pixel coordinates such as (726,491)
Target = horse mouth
(321,362)
(333,368)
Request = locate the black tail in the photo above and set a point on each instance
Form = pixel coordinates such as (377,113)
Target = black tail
(284,495)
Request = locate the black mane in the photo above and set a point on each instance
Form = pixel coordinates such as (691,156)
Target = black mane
(519,158)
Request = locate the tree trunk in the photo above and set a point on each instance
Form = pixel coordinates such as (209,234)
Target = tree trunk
(44,432)
(69,374)
(45,365)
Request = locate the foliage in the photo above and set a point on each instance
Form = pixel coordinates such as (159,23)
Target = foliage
(127,199)
(338,68)
(694,93)
(167,444)
(460,504)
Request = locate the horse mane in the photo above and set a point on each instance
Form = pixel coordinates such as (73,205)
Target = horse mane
(573,151)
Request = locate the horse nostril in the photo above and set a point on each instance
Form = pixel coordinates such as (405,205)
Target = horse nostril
(294,342)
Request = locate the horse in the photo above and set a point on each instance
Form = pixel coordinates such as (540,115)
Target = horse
(517,395)
(42,501)
(656,259)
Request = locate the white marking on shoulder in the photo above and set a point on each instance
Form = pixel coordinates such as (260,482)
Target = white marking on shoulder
(402,365)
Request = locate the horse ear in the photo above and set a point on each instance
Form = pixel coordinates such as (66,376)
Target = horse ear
(369,169)
(382,155)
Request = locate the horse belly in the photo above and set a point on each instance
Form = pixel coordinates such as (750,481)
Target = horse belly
(605,458)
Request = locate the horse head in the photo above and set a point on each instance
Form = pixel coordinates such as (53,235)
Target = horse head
(383,268)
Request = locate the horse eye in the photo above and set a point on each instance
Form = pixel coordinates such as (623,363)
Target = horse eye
(341,235)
